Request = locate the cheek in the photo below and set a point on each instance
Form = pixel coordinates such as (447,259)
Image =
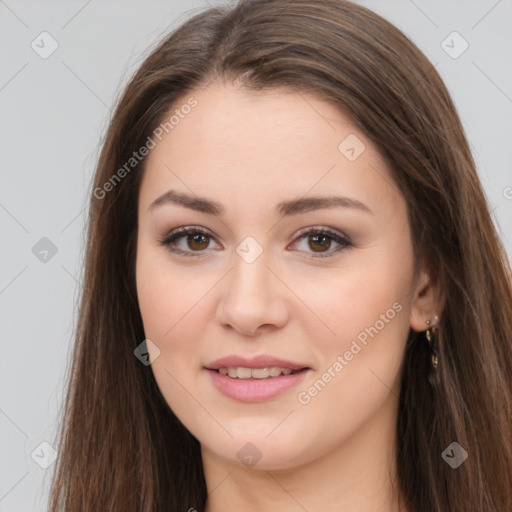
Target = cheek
(175,311)
(173,316)
(166,295)
(360,364)
(367,307)
(366,299)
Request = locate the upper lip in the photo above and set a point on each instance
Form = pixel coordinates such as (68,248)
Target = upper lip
(261,361)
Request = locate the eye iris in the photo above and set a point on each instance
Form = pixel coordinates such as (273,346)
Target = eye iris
(198,238)
(325,242)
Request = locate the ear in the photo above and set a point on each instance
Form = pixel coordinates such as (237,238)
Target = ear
(427,302)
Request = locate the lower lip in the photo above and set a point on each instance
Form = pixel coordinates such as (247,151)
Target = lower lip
(255,390)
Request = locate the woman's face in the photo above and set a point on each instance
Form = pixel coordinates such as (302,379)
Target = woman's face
(276,272)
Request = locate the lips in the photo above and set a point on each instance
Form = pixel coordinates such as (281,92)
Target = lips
(247,384)
(261,361)
(255,390)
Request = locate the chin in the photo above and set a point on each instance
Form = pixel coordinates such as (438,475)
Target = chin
(259,453)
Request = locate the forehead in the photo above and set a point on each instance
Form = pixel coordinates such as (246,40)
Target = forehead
(232,122)
(264,145)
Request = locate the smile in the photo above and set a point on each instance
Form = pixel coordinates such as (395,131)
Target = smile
(241,372)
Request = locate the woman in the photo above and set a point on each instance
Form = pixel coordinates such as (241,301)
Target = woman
(295,297)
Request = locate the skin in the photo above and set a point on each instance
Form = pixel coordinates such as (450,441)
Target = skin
(248,151)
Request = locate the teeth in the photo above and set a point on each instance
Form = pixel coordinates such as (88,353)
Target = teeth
(243,373)
(274,371)
(256,373)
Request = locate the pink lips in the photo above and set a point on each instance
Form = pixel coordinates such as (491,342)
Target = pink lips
(254,390)
(261,361)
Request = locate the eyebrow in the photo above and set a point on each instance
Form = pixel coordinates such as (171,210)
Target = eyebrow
(284,208)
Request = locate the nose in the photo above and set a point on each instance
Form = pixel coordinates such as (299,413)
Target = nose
(252,299)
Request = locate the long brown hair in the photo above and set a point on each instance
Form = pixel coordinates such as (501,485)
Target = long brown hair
(121,447)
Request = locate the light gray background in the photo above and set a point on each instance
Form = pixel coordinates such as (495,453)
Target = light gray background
(52,114)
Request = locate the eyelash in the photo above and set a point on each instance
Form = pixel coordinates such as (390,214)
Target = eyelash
(183,231)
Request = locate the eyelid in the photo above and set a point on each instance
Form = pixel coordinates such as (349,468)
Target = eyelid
(337,236)
(334,234)
(180,232)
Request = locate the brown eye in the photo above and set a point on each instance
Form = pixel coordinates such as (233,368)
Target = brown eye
(187,241)
(198,241)
(319,243)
